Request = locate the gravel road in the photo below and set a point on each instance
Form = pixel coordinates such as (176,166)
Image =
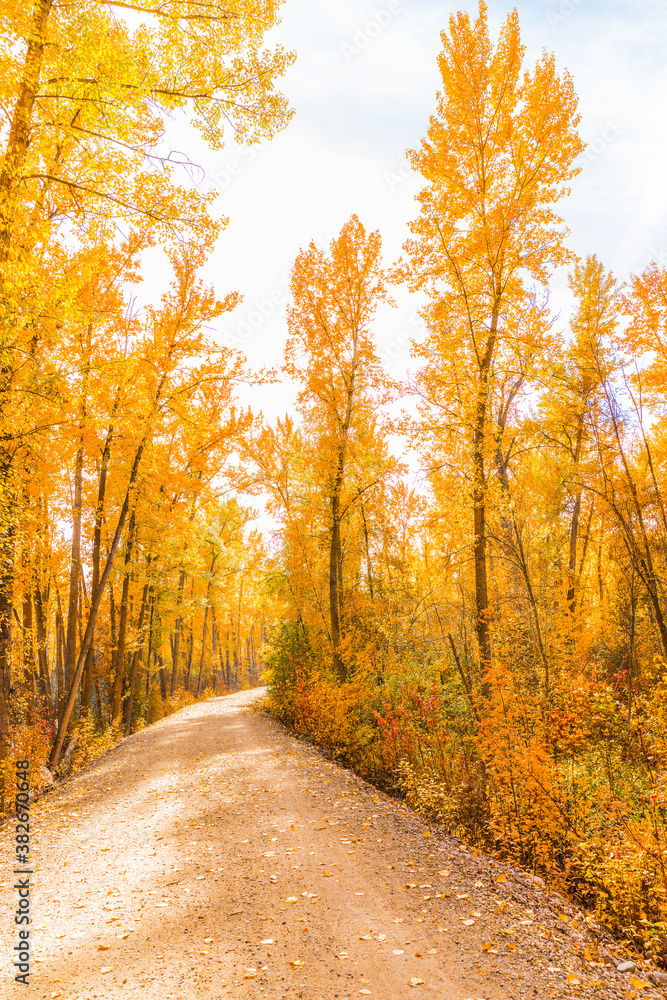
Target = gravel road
(214,855)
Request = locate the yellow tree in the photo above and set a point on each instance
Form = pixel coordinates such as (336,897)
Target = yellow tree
(498,154)
(331,355)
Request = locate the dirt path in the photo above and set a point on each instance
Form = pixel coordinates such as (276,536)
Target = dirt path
(213,855)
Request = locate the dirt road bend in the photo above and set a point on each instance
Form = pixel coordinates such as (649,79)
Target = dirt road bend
(213,855)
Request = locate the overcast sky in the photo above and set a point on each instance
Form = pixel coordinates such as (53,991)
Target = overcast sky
(363,87)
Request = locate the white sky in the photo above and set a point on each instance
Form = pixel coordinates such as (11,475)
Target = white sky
(363,87)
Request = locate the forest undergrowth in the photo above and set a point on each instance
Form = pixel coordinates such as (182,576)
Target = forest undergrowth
(573,792)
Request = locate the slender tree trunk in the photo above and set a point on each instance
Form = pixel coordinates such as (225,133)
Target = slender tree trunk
(75,569)
(149,654)
(178,631)
(191,654)
(203,647)
(482,622)
(129,690)
(60,659)
(369,571)
(334,589)
(28,643)
(42,657)
(122,623)
(574,524)
(97,544)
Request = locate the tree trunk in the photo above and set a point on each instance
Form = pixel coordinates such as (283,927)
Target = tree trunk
(178,630)
(334,589)
(482,624)
(40,623)
(97,544)
(122,624)
(129,690)
(574,525)
(75,569)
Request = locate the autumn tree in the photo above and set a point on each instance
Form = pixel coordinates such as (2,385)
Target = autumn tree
(498,154)
(331,356)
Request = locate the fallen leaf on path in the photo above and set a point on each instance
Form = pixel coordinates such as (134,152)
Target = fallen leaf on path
(249,973)
(572,979)
(327,874)
(103,947)
(291,899)
(297,961)
(638,984)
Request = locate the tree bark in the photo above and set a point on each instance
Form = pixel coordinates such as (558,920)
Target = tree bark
(122,623)
(129,690)
(75,569)
(482,622)
(178,631)
(574,524)
(97,544)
